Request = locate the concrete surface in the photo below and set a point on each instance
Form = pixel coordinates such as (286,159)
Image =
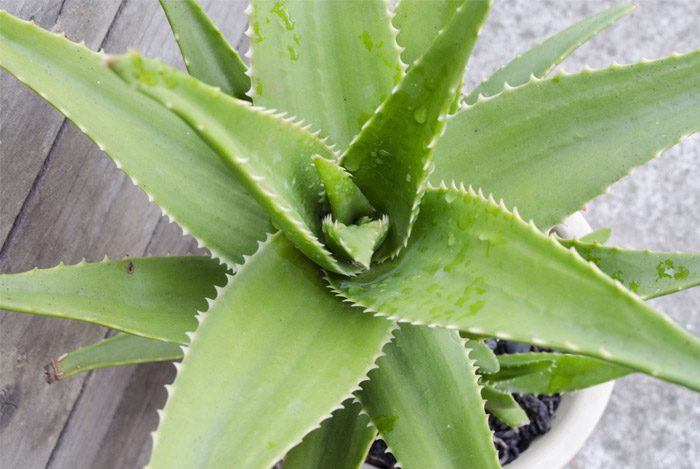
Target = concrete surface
(649,424)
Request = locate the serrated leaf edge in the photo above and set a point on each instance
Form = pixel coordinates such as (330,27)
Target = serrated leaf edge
(351,394)
(151,198)
(569,346)
(586,70)
(478,385)
(201,316)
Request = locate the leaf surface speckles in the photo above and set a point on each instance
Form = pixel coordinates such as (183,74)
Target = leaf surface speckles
(329,63)
(648,274)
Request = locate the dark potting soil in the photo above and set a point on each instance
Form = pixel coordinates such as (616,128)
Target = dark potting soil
(509,442)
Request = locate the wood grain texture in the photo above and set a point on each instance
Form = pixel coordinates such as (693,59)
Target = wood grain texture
(62,200)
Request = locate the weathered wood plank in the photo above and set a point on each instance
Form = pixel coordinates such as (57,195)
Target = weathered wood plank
(30,120)
(71,202)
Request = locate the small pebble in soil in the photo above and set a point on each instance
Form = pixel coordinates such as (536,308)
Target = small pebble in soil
(379,457)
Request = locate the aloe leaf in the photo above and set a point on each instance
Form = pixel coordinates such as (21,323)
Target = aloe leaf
(599,236)
(161,154)
(342,442)
(566,373)
(418,23)
(527,365)
(270,156)
(346,200)
(355,242)
(122,349)
(504,407)
(154,297)
(588,130)
(424,399)
(484,358)
(330,63)
(266,342)
(541,59)
(391,157)
(207,55)
(648,274)
(451,275)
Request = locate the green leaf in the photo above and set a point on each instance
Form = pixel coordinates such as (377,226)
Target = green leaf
(586,131)
(270,156)
(122,349)
(418,23)
(424,400)
(451,275)
(161,154)
(355,242)
(330,63)
(267,342)
(566,373)
(521,366)
(541,59)
(154,297)
(342,442)
(648,274)
(207,55)
(504,407)
(392,156)
(346,200)
(599,236)
(484,358)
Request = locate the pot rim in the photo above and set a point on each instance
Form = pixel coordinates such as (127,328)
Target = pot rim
(574,421)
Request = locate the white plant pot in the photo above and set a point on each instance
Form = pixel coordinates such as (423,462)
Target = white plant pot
(572,424)
(577,414)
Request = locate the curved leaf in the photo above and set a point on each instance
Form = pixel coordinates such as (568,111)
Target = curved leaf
(267,342)
(122,349)
(418,23)
(161,154)
(565,373)
(522,365)
(451,275)
(550,146)
(424,399)
(485,360)
(155,297)
(504,407)
(541,59)
(342,442)
(346,201)
(207,55)
(355,242)
(329,63)
(599,236)
(270,156)
(648,274)
(391,157)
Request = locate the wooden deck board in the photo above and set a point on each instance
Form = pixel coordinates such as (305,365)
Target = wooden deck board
(64,200)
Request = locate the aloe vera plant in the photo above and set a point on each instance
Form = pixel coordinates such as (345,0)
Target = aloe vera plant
(349,200)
